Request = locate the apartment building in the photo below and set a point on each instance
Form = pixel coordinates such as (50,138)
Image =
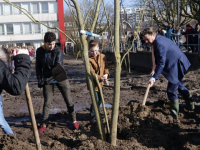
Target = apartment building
(17,29)
(131,17)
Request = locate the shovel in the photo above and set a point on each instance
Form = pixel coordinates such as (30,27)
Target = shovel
(58,74)
(146,94)
(31,112)
(147,91)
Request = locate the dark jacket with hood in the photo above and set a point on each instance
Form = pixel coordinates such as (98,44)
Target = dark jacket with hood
(14,83)
(47,60)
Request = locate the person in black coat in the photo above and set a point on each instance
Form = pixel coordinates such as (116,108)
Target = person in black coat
(189,37)
(196,37)
(172,63)
(14,83)
(47,57)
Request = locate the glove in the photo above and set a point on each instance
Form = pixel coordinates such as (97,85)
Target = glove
(46,82)
(39,83)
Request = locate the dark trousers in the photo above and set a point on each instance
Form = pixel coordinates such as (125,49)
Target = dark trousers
(64,88)
(172,90)
(99,101)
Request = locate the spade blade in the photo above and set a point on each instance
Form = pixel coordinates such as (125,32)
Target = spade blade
(59,73)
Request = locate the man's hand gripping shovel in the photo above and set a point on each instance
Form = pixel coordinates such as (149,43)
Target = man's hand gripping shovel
(58,75)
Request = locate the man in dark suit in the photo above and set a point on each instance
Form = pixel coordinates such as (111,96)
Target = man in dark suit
(172,63)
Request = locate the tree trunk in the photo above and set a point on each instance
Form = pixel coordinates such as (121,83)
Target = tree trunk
(128,63)
(89,75)
(115,109)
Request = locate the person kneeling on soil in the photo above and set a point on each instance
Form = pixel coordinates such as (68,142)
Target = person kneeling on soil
(98,66)
(47,57)
(14,83)
(172,63)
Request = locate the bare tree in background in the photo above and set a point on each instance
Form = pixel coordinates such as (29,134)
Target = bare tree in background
(191,9)
(165,11)
(71,25)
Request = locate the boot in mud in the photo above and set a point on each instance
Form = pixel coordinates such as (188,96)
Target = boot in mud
(189,103)
(174,109)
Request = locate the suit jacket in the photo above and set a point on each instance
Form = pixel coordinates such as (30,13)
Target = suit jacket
(169,59)
(98,63)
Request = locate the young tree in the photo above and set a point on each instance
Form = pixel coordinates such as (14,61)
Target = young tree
(86,61)
(116,97)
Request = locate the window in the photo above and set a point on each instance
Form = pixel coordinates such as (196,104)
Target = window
(45,7)
(105,33)
(76,33)
(52,7)
(68,24)
(9,28)
(28,44)
(44,28)
(35,8)
(18,28)
(53,24)
(15,10)
(26,6)
(36,28)
(7,9)
(124,26)
(1,29)
(27,28)
(19,44)
(1,9)
(36,45)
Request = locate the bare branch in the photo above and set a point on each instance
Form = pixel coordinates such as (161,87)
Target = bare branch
(75,17)
(109,24)
(89,12)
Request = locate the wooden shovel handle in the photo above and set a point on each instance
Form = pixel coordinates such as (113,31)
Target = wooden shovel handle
(33,121)
(146,94)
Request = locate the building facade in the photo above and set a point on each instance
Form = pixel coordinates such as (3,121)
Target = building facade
(132,17)
(16,29)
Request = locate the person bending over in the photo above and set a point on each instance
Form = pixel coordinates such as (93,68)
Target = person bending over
(172,63)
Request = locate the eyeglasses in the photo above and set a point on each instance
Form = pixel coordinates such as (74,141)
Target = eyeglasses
(94,51)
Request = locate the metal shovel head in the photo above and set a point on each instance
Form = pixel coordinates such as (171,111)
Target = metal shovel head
(58,73)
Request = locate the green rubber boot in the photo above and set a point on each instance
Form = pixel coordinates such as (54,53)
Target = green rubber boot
(174,108)
(189,104)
